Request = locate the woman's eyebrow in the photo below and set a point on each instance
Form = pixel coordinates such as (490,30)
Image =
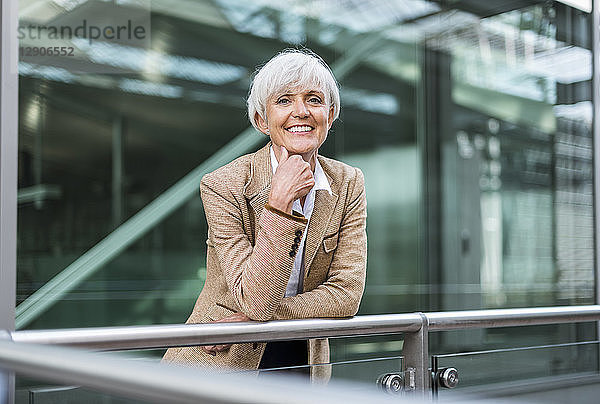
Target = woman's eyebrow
(308,93)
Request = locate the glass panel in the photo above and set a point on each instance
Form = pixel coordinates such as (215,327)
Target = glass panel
(524,372)
(101,143)
(359,375)
(30,391)
(34,391)
(368,353)
(508,160)
(515,157)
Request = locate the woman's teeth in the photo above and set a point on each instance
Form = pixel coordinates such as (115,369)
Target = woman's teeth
(300,129)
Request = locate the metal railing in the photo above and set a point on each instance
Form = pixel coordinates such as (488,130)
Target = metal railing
(414,326)
(159,383)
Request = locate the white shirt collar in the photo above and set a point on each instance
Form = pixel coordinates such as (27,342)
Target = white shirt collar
(321,181)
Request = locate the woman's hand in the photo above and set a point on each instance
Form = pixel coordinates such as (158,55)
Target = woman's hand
(292,180)
(234,318)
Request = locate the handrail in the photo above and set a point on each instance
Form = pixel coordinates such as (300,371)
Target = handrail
(159,336)
(415,350)
(459,320)
(163,383)
(156,336)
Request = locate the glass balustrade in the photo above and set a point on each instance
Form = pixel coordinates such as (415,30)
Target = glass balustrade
(544,373)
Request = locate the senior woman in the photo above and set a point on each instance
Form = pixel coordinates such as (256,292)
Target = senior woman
(286,226)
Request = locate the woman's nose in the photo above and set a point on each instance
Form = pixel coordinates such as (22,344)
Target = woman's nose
(300,110)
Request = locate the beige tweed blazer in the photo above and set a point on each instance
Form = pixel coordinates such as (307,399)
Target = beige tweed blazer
(250,256)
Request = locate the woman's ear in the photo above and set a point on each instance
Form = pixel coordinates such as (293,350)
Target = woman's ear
(261,123)
(330,117)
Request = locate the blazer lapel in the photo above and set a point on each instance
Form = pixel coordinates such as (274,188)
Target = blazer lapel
(319,221)
(257,191)
(258,186)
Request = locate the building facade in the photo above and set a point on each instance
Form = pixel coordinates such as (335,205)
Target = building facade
(472,121)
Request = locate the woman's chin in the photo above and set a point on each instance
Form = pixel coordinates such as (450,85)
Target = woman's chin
(295,148)
(302,152)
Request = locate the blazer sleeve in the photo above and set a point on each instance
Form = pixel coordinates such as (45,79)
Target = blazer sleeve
(340,294)
(256,276)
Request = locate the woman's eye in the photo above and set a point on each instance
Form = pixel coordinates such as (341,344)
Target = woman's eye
(283,101)
(315,100)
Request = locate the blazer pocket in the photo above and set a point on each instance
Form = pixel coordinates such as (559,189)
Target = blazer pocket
(219,312)
(330,243)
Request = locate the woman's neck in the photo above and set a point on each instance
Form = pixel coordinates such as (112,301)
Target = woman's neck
(311,157)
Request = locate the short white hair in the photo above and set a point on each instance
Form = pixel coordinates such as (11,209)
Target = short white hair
(291,69)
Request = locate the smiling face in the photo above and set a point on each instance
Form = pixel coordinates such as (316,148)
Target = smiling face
(298,120)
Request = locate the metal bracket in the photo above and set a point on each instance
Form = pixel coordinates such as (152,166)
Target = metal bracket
(392,383)
(416,360)
(397,383)
(410,383)
(447,377)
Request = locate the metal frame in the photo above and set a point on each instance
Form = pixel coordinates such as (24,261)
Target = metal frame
(415,327)
(596,139)
(118,169)
(8,178)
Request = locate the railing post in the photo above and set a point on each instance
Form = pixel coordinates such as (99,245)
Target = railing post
(416,359)
(9,101)
(7,378)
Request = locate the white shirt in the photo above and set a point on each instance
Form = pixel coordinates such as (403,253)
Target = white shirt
(322,183)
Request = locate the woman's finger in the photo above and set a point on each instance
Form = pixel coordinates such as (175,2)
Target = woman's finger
(284,155)
(304,189)
(209,349)
(309,182)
